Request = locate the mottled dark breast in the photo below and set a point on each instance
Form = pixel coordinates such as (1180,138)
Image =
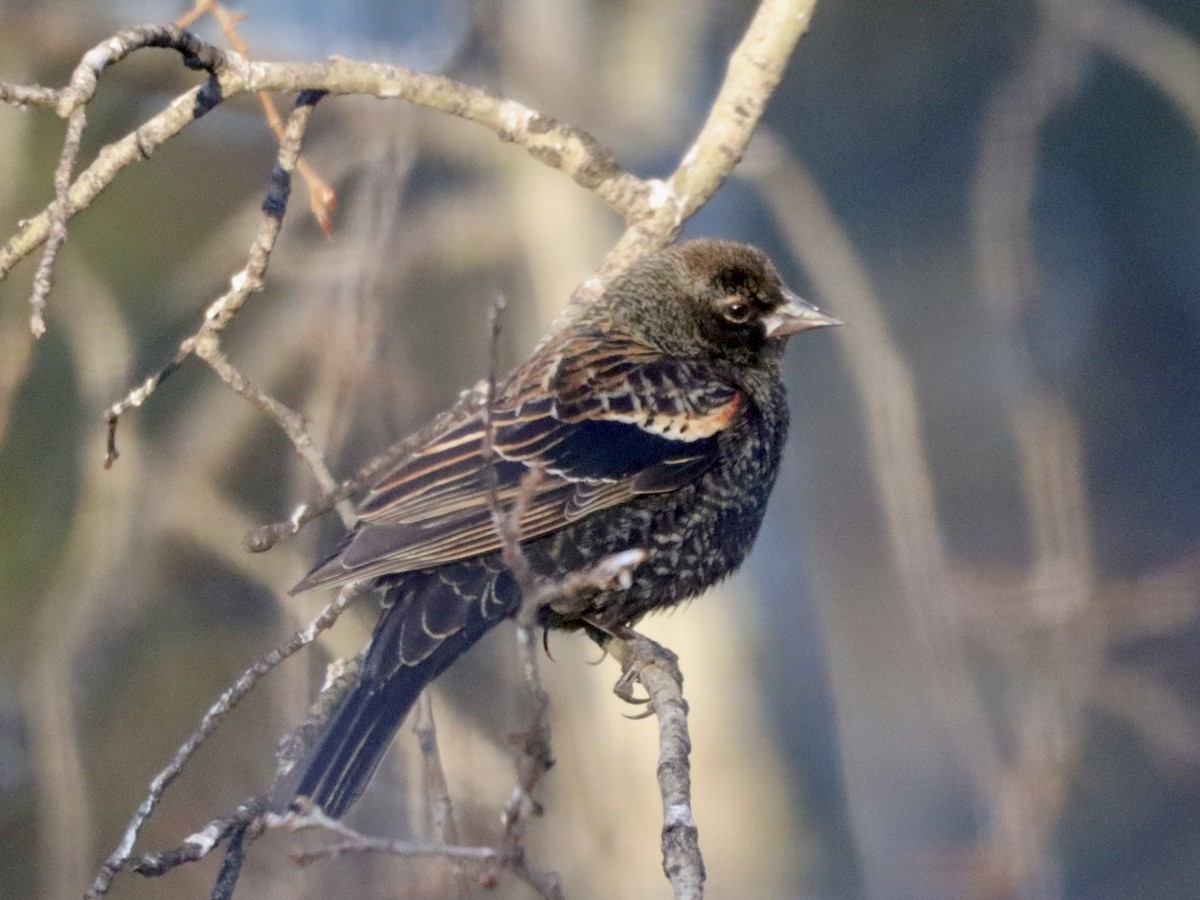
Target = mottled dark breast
(695,536)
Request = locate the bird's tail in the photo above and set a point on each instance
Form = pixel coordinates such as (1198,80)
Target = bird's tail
(430,619)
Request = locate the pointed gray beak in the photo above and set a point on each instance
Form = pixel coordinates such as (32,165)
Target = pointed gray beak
(796,315)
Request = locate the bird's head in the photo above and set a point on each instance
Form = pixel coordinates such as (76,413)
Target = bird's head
(710,299)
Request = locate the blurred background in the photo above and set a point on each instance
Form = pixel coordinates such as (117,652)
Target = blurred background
(964,659)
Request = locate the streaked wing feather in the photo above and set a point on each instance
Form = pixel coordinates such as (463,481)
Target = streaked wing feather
(604,421)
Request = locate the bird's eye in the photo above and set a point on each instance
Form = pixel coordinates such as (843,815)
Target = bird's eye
(736,310)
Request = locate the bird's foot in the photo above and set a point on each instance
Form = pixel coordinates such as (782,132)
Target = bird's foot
(636,653)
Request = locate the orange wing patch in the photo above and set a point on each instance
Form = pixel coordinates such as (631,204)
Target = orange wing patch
(681,425)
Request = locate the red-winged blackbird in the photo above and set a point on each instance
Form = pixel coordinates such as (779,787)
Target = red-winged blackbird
(657,418)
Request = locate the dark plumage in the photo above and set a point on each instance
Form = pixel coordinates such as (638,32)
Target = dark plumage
(657,417)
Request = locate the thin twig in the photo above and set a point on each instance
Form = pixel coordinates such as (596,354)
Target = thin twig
(22,95)
(355,842)
(205,343)
(471,403)
(322,198)
(198,845)
(72,104)
(118,859)
(293,423)
(44,277)
(535,753)
(437,789)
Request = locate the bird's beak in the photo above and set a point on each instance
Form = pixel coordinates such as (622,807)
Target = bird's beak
(796,315)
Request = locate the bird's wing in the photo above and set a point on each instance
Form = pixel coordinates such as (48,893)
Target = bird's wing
(601,421)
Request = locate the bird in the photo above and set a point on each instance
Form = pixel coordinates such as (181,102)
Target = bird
(654,419)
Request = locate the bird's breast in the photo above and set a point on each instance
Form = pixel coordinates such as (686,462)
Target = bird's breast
(693,537)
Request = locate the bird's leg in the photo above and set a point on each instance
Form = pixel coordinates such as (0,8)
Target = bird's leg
(574,596)
(568,601)
(635,652)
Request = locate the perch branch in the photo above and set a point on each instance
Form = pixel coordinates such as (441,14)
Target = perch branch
(656,669)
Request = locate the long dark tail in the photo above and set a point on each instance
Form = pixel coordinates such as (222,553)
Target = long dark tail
(430,619)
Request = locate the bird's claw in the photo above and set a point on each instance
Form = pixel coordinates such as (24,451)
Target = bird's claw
(624,688)
(641,652)
(644,714)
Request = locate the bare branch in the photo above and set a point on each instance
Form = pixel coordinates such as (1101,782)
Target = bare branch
(264,538)
(657,670)
(437,789)
(22,95)
(292,422)
(754,72)
(215,715)
(355,842)
(198,845)
(755,69)
(72,103)
(653,210)
(43,278)
(563,147)
(205,343)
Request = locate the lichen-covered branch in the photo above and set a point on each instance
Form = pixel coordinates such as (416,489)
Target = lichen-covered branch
(564,147)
